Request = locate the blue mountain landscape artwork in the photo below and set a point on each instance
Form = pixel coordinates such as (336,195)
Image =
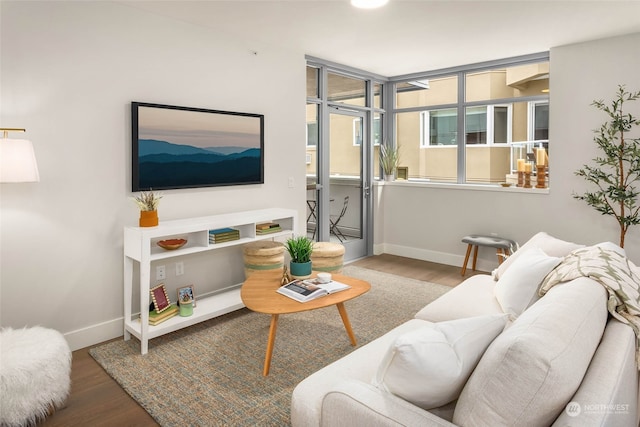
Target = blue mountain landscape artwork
(162,164)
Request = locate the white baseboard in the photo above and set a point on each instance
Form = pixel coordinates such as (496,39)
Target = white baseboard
(95,334)
(111,329)
(432,256)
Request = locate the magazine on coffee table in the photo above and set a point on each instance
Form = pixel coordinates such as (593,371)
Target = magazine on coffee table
(306,290)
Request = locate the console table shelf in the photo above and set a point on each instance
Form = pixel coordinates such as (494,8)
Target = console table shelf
(140,245)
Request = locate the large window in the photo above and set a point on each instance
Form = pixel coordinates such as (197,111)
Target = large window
(481,124)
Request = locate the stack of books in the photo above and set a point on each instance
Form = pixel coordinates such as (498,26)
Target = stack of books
(268,227)
(223,235)
(166,314)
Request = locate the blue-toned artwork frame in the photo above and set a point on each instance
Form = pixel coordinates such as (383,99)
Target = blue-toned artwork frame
(183,147)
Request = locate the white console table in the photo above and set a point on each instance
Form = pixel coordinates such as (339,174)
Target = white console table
(140,245)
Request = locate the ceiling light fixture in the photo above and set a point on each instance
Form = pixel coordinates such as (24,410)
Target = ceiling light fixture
(368,4)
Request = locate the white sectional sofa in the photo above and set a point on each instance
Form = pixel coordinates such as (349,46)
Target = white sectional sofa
(490,352)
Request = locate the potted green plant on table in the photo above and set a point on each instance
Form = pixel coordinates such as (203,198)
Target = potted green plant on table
(618,169)
(300,249)
(389,160)
(148,204)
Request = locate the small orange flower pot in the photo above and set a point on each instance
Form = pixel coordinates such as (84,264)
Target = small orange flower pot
(148,218)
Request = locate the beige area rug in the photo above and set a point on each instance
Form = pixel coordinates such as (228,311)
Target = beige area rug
(210,374)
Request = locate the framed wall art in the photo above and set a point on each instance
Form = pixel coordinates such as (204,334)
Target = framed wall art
(183,147)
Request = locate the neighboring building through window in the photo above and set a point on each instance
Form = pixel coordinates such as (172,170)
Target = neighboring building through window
(505,107)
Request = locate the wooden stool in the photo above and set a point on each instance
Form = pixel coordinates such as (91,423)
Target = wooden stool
(263,255)
(504,247)
(327,257)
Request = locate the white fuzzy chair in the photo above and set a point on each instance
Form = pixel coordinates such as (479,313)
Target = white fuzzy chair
(35,367)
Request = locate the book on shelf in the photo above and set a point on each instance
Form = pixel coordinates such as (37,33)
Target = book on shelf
(223,239)
(223,235)
(269,230)
(267,225)
(166,314)
(223,232)
(307,290)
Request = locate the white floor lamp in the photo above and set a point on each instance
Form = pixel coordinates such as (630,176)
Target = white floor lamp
(17,159)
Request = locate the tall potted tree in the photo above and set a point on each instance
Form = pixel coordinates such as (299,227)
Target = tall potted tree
(618,170)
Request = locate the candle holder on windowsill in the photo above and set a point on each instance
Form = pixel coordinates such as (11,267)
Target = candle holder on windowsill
(520,179)
(527,180)
(541,176)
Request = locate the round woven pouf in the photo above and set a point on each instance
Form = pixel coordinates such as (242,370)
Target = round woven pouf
(263,255)
(327,256)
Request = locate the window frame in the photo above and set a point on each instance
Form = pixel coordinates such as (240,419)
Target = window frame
(462,72)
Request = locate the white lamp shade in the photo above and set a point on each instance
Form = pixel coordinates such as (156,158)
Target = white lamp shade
(18,161)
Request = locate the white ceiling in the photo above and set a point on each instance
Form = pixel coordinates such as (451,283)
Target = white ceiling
(407,36)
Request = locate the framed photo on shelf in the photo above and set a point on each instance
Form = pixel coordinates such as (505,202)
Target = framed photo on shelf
(402,172)
(186,293)
(160,298)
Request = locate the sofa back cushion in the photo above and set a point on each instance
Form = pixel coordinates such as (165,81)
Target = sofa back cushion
(530,372)
(518,287)
(550,245)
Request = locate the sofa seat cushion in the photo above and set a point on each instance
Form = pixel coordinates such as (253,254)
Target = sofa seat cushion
(361,364)
(530,372)
(518,287)
(550,245)
(429,366)
(471,298)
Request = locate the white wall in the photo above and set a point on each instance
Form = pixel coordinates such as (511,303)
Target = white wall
(69,72)
(428,223)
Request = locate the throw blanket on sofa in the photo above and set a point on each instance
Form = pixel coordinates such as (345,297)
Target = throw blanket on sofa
(619,276)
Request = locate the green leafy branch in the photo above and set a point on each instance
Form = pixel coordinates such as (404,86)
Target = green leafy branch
(618,169)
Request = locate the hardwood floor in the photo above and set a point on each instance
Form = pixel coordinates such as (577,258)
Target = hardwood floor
(97,400)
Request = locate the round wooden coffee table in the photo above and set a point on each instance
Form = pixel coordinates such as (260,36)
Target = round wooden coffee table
(259,294)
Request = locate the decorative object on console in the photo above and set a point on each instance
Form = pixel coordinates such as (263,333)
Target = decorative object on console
(222,235)
(300,249)
(160,298)
(17,159)
(186,306)
(148,204)
(618,169)
(185,294)
(268,228)
(172,244)
(156,318)
(182,147)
